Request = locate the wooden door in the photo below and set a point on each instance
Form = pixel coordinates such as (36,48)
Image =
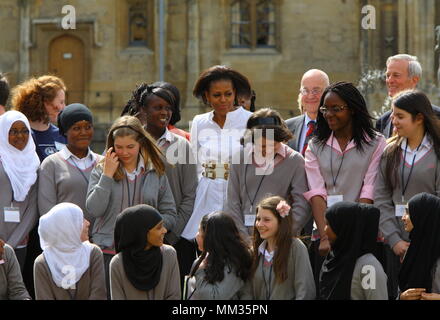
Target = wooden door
(66,60)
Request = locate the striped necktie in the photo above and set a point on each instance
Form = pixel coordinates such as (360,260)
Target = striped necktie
(310,130)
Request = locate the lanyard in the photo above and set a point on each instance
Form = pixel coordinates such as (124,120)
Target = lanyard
(80,171)
(267,287)
(134,191)
(331,166)
(405,186)
(247,192)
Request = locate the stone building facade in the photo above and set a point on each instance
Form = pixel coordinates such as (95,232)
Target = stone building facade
(117,44)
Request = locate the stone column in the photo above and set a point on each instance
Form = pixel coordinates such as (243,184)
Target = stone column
(192,105)
(23,69)
(421,37)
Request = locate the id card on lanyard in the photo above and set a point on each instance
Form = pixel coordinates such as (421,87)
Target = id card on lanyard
(11,214)
(401,207)
(334,198)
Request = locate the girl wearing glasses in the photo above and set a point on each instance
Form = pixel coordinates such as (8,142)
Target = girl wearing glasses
(342,159)
(409,165)
(18,175)
(154,106)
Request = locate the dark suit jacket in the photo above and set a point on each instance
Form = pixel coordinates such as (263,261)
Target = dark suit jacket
(384,125)
(295,126)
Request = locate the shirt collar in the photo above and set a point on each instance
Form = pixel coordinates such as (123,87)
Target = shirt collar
(262,250)
(307,119)
(140,166)
(350,145)
(166,137)
(426,143)
(66,154)
(228,115)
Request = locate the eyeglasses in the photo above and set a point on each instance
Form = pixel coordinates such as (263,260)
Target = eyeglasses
(305,91)
(15,132)
(335,109)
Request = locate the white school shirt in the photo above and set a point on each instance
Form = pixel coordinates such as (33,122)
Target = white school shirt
(423,149)
(83,163)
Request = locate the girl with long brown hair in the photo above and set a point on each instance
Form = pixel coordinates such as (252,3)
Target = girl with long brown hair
(281,267)
(409,166)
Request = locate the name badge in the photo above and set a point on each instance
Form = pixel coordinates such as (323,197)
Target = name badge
(331,200)
(400,210)
(12,214)
(249,220)
(2,261)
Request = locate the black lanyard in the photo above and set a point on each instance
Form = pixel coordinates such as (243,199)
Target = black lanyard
(405,186)
(247,192)
(80,171)
(134,191)
(340,166)
(267,287)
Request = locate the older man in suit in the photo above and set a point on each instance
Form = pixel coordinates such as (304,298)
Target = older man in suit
(313,83)
(403,73)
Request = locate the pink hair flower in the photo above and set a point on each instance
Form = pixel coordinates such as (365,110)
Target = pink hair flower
(283,209)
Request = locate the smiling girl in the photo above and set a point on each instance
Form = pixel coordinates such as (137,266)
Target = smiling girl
(144,268)
(342,160)
(409,165)
(155,107)
(419,277)
(18,176)
(64,176)
(281,267)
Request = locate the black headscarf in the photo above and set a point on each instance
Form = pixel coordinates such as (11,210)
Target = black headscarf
(424,248)
(356,227)
(72,114)
(143,267)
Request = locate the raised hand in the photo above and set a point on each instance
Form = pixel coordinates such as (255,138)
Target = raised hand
(111,163)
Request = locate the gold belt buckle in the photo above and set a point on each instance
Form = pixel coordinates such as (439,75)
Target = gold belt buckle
(209,174)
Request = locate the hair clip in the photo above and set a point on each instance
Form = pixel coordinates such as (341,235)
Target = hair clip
(283,209)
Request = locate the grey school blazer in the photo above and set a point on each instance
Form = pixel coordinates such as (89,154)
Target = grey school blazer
(295,125)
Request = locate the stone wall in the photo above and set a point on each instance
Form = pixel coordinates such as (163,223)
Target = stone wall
(313,34)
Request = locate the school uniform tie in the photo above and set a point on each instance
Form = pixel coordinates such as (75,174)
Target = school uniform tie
(310,131)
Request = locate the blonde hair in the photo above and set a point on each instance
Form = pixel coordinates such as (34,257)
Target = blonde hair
(131,126)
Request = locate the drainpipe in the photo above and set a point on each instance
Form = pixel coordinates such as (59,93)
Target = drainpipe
(161,40)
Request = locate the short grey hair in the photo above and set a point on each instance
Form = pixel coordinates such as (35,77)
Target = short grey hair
(414,67)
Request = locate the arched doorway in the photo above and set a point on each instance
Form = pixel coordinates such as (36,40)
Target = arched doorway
(66,60)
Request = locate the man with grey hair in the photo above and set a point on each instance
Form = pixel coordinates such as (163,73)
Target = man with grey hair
(313,83)
(403,72)
(4,93)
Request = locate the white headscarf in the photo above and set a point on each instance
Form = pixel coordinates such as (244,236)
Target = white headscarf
(60,238)
(20,166)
